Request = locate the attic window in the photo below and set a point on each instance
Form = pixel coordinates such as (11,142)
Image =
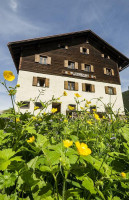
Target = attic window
(62,46)
(105,56)
(84,50)
(42,59)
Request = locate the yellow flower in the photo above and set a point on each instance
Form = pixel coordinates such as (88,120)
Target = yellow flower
(67,143)
(104,117)
(94,110)
(123,174)
(40,119)
(88,102)
(31,139)
(82,108)
(53,110)
(96,116)
(71,108)
(86,105)
(8,75)
(18,85)
(44,113)
(77,95)
(17,120)
(34,118)
(36,107)
(65,93)
(65,120)
(83,149)
(89,122)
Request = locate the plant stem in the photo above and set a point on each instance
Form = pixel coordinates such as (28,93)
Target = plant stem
(56,186)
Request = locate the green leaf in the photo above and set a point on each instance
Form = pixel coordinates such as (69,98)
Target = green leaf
(40,141)
(32,163)
(45,169)
(31,129)
(4,197)
(116,198)
(89,185)
(125,132)
(7,180)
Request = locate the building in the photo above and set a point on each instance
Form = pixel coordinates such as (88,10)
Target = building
(125,95)
(78,62)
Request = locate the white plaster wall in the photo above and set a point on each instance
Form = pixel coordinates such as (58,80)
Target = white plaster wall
(56,88)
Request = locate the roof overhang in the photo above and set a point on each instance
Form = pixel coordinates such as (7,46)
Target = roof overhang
(15,48)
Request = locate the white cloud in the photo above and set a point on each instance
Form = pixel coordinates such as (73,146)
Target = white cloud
(14,5)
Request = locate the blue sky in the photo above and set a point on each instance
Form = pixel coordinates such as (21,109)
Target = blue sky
(24,19)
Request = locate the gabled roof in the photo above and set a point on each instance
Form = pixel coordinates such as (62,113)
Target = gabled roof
(16,47)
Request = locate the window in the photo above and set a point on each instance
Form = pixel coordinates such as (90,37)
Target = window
(38,104)
(42,59)
(62,46)
(40,82)
(57,105)
(88,87)
(84,50)
(105,56)
(71,85)
(68,85)
(110,90)
(87,67)
(92,109)
(71,112)
(25,104)
(70,64)
(109,71)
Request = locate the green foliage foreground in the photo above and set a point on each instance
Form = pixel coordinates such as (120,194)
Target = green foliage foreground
(35,164)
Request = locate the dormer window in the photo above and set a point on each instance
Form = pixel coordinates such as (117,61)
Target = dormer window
(84,50)
(43,60)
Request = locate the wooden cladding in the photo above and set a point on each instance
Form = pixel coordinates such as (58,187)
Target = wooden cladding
(110,90)
(40,82)
(42,59)
(88,87)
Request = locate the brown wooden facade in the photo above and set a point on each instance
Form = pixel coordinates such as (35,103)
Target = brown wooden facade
(69,48)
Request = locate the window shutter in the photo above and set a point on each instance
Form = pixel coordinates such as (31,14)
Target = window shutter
(49,60)
(37,58)
(76,65)
(83,87)
(65,63)
(47,82)
(66,47)
(106,89)
(105,71)
(114,91)
(112,72)
(92,88)
(92,68)
(81,50)
(76,86)
(87,51)
(34,81)
(102,55)
(66,85)
(82,66)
